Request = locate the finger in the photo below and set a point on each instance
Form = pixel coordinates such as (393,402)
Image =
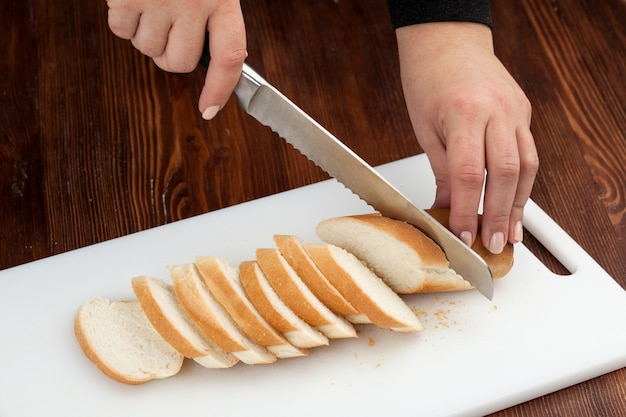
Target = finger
(152,33)
(227,46)
(529,165)
(466,161)
(435,149)
(503,169)
(185,41)
(123,23)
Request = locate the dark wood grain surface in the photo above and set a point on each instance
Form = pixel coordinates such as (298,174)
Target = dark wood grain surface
(96,142)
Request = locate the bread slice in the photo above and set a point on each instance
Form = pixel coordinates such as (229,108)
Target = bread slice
(275,311)
(363,289)
(212,319)
(404,257)
(224,283)
(292,250)
(162,307)
(500,264)
(299,298)
(118,338)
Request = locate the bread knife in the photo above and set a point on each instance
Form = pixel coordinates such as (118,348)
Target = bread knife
(270,107)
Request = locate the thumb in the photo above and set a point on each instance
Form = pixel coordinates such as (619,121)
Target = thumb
(228,53)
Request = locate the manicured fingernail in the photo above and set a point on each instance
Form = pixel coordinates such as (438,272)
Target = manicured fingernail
(518,233)
(496,244)
(210,112)
(467,238)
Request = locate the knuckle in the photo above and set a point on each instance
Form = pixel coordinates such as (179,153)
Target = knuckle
(507,171)
(231,59)
(530,165)
(471,177)
(467,106)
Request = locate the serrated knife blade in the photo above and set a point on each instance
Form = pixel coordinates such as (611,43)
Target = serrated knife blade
(270,107)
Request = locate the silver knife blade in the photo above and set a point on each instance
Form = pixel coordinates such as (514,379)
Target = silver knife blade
(270,107)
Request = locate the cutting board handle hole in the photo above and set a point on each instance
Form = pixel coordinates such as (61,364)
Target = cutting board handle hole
(544,255)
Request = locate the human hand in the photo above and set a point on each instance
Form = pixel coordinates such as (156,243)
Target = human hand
(172,33)
(469,115)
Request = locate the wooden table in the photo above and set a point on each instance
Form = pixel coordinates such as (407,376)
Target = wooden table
(96,142)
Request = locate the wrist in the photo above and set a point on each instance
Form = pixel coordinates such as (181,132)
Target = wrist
(436,37)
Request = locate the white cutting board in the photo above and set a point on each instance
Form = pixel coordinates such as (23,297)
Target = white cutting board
(540,333)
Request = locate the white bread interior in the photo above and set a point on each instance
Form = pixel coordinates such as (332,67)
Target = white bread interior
(223,281)
(404,257)
(363,288)
(213,319)
(164,310)
(293,291)
(274,309)
(118,338)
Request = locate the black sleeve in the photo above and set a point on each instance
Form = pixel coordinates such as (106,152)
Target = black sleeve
(410,12)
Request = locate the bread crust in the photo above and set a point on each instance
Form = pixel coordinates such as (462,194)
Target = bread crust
(354,293)
(271,265)
(500,264)
(431,254)
(299,298)
(203,315)
(257,296)
(160,321)
(248,318)
(292,250)
(276,311)
(404,257)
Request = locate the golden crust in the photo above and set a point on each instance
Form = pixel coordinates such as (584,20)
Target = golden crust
(431,254)
(344,282)
(248,320)
(500,264)
(202,315)
(159,320)
(250,281)
(270,263)
(296,256)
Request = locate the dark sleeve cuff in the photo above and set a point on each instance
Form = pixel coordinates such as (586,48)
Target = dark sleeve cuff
(410,12)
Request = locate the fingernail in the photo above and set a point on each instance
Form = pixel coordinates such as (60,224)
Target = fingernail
(467,238)
(210,112)
(518,233)
(496,244)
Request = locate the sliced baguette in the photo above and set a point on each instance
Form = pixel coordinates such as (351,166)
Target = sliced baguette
(404,257)
(292,250)
(224,283)
(162,307)
(299,298)
(275,311)
(500,264)
(213,319)
(363,289)
(118,338)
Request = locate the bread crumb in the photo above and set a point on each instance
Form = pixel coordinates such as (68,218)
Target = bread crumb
(441,309)
(419,312)
(378,365)
(371,341)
